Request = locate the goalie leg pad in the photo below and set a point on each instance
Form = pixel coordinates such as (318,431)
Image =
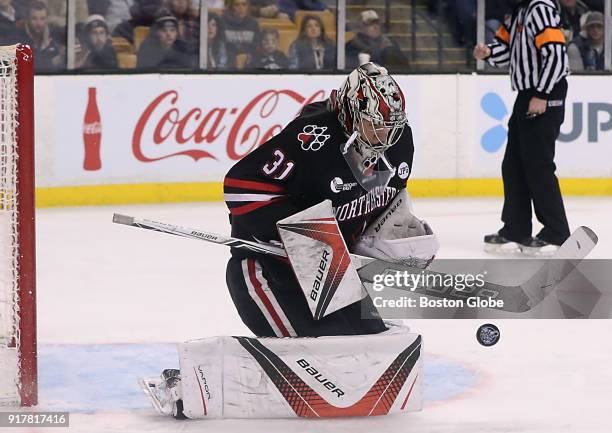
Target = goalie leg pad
(242,377)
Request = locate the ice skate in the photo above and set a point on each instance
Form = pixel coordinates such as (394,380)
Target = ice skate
(497,244)
(165,393)
(534,246)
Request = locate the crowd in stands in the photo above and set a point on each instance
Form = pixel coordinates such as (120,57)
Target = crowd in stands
(582,22)
(254,34)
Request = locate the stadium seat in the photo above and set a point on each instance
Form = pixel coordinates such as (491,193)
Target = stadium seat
(122,45)
(140,34)
(274,23)
(287,36)
(241,60)
(126,60)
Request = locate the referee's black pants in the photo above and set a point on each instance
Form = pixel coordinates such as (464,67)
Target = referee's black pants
(528,170)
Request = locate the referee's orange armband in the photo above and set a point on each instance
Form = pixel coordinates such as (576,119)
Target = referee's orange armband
(549,35)
(503,35)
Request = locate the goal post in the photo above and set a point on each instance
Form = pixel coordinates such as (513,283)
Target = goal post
(18,360)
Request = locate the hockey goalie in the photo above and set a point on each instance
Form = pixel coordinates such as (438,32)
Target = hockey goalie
(332,183)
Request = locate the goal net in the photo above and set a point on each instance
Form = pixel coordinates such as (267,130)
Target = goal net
(17,255)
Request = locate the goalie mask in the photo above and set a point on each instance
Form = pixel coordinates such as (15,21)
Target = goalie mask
(371,108)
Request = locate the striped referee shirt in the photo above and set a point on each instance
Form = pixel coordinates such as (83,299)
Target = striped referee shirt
(534,46)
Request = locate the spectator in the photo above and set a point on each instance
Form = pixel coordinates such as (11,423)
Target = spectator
(218,56)
(241,30)
(118,11)
(571,11)
(96,51)
(8,21)
(143,13)
(595,5)
(369,44)
(270,57)
(49,55)
(267,9)
(312,50)
(465,21)
(188,23)
(98,7)
(496,12)
(58,12)
(290,6)
(586,52)
(163,49)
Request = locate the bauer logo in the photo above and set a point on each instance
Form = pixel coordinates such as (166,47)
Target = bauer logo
(338,185)
(320,378)
(495,137)
(488,334)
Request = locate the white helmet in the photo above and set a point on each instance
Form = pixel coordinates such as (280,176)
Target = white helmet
(371,108)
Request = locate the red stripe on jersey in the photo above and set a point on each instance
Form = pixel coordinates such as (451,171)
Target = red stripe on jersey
(252,185)
(246,208)
(264,298)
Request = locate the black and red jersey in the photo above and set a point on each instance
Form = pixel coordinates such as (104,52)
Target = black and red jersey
(299,168)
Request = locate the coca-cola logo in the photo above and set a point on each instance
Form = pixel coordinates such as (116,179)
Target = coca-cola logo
(162,122)
(92,128)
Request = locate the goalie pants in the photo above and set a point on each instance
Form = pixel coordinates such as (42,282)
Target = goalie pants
(528,170)
(271,303)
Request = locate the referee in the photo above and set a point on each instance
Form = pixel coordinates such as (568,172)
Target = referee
(534,46)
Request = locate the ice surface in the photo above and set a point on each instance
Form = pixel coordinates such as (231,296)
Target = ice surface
(110,296)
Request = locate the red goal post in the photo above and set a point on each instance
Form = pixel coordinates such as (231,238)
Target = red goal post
(18,359)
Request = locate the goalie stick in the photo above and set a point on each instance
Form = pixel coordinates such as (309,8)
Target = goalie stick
(258,247)
(517,298)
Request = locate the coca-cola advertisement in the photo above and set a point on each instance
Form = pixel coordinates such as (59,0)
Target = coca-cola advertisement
(165,129)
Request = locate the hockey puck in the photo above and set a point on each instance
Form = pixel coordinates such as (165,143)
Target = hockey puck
(488,334)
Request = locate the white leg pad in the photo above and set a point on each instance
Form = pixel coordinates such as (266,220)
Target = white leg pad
(242,377)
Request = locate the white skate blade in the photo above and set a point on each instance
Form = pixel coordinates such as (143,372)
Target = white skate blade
(502,249)
(546,251)
(149,387)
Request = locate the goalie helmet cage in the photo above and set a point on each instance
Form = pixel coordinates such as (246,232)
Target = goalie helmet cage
(18,369)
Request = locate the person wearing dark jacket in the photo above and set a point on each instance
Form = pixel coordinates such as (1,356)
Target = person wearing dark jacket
(49,55)
(97,50)
(373,46)
(312,50)
(143,13)
(269,56)
(571,12)
(8,22)
(240,29)
(163,49)
(586,52)
(289,7)
(219,57)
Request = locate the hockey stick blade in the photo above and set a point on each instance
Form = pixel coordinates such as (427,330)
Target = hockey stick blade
(516,298)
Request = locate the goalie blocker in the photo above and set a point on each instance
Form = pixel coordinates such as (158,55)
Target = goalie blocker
(242,377)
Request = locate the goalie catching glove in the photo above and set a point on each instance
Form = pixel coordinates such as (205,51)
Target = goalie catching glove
(398,236)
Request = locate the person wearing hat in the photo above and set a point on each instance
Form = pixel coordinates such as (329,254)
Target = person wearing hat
(95,50)
(586,52)
(369,44)
(163,49)
(143,13)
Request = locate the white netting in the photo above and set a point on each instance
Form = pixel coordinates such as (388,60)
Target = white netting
(9,317)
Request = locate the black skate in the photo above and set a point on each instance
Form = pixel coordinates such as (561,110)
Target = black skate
(497,244)
(165,393)
(534,246)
